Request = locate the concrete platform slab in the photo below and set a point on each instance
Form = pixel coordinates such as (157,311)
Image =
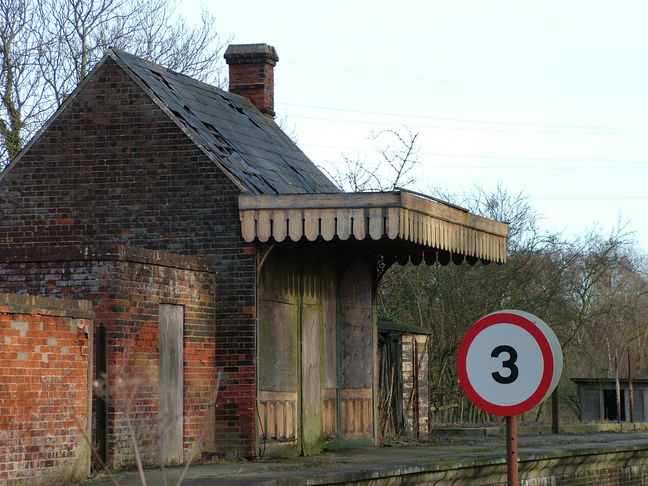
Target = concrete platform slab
(480,458)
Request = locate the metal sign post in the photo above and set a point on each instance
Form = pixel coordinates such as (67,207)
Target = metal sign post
(511,451)
(508,363)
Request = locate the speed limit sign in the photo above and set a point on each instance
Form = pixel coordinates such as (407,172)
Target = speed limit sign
(508,362)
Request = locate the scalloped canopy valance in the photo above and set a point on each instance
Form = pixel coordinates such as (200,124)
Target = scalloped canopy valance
(398,215)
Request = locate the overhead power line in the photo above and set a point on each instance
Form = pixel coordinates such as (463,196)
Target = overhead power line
(593,198)
(511,168)
(639,164)
(470,84)
(468,120)
(472,129)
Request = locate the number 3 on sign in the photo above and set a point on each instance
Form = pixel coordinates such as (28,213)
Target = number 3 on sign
(508,362)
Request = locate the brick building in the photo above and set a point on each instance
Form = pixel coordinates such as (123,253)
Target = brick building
(211,246)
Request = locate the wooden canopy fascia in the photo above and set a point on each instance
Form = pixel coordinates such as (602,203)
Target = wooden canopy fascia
(398,215)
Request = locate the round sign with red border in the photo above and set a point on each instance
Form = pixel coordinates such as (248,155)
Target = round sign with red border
(508,362)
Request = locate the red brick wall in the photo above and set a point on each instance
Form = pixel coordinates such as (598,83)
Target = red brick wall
(127,286)
(251,74)
(44,389)
(255,82)
(112,168)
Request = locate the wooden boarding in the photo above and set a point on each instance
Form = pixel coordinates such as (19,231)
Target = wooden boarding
(330,415)
(357,413)
(278,415)
(171,383)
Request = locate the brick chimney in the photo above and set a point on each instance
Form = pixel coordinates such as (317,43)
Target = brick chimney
(251,74)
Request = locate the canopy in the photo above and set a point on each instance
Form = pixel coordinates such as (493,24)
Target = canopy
(399,215)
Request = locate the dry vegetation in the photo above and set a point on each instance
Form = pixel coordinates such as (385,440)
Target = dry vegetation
(592,290)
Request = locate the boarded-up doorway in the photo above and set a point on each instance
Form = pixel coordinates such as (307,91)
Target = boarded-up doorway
(170,383)
(358,351)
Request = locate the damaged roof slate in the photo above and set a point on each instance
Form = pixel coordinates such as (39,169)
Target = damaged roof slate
(231,131)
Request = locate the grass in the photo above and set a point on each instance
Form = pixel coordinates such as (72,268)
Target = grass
(129,388)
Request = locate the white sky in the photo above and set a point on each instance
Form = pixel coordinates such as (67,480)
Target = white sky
(548,98)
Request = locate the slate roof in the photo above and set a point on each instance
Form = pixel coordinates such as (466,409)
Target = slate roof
(230,130)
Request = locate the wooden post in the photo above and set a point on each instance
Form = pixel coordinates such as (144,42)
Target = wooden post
(618,388)
(511,451)
(630,390)
(555,411)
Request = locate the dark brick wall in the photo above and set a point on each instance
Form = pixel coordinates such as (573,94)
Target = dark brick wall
(112,168)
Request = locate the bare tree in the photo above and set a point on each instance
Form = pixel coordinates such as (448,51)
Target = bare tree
(48,47)
(19,81)
(592,290)
(397,152)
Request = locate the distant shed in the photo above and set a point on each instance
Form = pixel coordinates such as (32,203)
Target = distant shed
(598,399)
(404,383)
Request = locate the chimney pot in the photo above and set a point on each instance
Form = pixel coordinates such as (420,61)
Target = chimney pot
(251,74)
